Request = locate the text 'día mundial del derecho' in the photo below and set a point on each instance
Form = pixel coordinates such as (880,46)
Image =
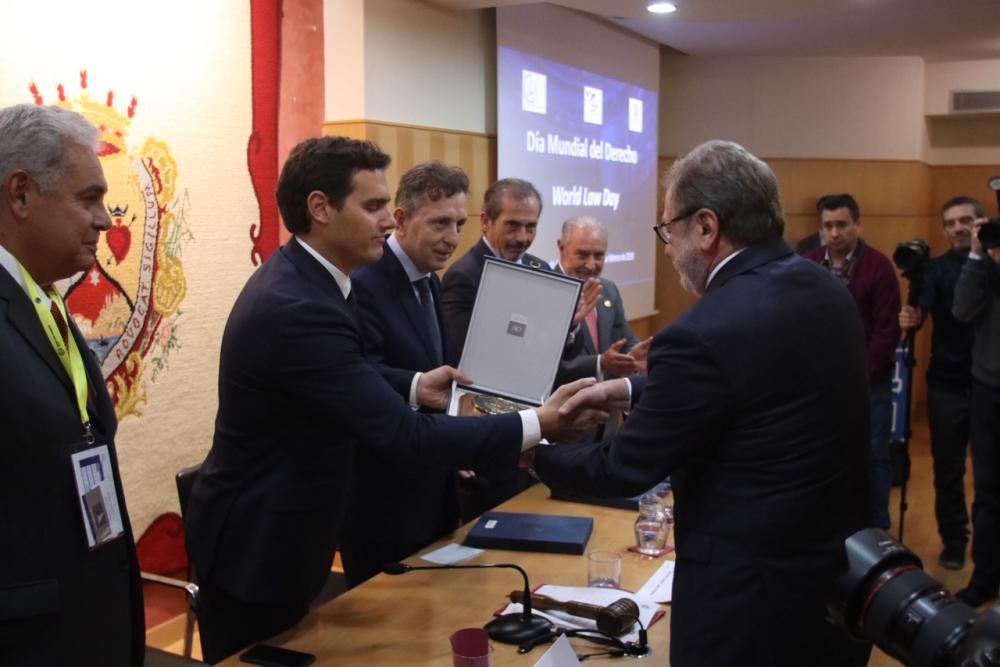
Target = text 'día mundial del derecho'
(592,149)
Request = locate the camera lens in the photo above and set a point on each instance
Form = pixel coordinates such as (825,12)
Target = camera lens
(886,598)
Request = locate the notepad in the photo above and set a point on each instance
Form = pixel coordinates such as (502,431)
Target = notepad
(547,533)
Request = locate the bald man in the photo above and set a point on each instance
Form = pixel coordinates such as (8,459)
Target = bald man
(610,348)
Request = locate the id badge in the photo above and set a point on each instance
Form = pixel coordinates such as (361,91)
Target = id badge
(95,485)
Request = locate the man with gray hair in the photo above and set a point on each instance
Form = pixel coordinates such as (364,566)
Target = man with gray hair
(736,408)
(509,219)
(69,576)
(609,347)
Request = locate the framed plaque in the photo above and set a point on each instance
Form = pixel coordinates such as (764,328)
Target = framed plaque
(517,333)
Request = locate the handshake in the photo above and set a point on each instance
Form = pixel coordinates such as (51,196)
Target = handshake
(570,413)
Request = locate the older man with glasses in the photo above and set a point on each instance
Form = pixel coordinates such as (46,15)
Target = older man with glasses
(736,408)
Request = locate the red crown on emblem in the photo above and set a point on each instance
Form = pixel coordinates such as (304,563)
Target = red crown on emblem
(112,123)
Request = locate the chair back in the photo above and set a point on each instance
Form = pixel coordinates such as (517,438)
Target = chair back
(185,482)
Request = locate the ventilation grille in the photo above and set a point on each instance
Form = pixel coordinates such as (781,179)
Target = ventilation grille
(975,101)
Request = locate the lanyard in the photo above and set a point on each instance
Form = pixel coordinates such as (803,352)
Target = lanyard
(70,358)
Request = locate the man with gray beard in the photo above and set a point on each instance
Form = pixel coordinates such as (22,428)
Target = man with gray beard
(736,407)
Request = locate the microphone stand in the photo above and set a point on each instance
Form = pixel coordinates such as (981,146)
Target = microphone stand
(511,628)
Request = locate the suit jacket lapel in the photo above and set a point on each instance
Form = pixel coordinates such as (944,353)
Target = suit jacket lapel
(24,319)
(317,273)
(414,311)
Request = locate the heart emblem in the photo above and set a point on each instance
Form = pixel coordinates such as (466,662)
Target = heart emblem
(119,239)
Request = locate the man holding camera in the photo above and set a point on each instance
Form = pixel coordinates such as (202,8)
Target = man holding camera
(977,301)
(949,379)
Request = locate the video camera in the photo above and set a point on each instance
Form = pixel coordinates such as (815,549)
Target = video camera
(911,257)
(989,234)
(886,598)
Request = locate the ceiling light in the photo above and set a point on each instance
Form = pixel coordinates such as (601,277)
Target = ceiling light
(661,7)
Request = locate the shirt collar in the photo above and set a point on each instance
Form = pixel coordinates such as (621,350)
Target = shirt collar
(720,265)
(412,272)
(343,280)
(847,260)
(9,263)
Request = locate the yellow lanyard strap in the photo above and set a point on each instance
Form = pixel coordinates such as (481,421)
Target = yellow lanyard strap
(71,358)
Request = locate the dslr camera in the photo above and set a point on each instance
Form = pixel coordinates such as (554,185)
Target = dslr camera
(886,598)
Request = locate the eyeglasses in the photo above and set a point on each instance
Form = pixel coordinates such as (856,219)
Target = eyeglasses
(662,229)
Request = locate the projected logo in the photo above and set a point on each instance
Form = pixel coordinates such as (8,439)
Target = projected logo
(533,91)
(127,303)
(634,115)
(593,105)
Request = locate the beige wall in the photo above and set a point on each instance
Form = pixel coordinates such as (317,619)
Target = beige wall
(944,77)
(853,108)
(400,61)
(202,122)
(343,60)
(408,145)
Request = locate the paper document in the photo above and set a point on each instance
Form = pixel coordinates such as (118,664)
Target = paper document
(661,585)
(649,610)
(560,654)
(451,554)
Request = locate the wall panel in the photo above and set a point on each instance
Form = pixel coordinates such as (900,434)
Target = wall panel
(411,144)
(899,200)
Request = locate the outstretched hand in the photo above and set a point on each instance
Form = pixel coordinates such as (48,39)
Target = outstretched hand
(589,296)
(640,353)
(616,362)
(572,425)
(434,387)
(602,396)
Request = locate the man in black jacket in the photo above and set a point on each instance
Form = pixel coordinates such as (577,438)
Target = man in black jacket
(736,407)
(69,579)
(949,379)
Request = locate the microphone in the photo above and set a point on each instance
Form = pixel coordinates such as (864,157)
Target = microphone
(509,628)
(615,619)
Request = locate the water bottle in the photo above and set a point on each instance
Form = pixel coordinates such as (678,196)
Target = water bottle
(652,527)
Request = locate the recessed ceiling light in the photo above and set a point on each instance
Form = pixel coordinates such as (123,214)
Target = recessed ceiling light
(661,7)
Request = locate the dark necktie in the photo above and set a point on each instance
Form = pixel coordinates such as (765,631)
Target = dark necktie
(64,332)
(60,323)
(352,303)
(430,314)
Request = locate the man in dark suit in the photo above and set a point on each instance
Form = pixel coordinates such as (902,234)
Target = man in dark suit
(511,208)
(509,220)
(399,305)
(69,580)
(297,398)
(608,342)
(765,440)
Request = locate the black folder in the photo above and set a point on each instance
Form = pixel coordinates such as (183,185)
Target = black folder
(548,533)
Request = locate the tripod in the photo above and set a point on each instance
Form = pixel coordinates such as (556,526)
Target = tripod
(902,394)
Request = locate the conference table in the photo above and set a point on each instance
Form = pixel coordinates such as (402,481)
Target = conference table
(407,619)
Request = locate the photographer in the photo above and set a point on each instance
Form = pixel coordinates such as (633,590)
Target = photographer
(977,301)
(949,378)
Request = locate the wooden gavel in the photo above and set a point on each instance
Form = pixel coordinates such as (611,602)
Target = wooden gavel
(614,619)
